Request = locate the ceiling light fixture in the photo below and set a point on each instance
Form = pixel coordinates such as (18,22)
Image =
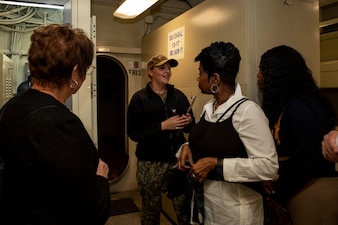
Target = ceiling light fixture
(32,4)
(130,9)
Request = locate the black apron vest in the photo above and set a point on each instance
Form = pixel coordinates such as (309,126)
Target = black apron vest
(220,139)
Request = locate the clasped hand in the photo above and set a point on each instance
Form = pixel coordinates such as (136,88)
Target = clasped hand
(199,170)
(177,122)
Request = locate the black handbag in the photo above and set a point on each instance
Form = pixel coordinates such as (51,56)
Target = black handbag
(175,182)
(276,214)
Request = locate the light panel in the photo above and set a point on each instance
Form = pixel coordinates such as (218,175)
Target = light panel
(130,9)
(32,4)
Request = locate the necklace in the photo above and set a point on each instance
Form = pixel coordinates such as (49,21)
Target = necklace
(159,92)
(220,99)
(215,106)
(164,96)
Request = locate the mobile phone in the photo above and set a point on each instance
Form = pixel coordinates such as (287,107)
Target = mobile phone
(191,104)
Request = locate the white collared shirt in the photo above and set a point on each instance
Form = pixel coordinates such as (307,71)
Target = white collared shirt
(252,126)
(230,202)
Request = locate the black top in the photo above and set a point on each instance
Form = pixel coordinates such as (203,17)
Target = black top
(145,113)
(50,165)
(220,140)
(303,124)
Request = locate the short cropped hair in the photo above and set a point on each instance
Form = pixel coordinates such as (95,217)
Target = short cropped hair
(222,58)
(55,50)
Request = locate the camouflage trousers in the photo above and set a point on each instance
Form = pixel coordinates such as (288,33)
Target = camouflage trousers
(150,177)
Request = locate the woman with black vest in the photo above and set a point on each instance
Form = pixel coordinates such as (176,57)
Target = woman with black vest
(230,147)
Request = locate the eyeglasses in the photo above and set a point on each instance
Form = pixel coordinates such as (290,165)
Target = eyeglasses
(90,70)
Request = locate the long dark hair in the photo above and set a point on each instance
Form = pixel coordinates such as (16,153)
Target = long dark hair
(286,75)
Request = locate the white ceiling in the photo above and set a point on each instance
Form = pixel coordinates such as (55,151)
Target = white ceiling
(171,7)
(162,12)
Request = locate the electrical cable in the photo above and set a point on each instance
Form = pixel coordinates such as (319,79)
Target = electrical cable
(28,17)
(186,1)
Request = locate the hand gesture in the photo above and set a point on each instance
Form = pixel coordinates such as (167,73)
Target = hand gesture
(202,168)
(329,146)
(185,160)
(176,122)
(102,169)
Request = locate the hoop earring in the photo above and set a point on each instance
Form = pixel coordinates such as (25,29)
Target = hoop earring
(214,88)
(76,84)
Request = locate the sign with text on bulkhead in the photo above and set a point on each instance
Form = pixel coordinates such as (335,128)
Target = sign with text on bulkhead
(176,43)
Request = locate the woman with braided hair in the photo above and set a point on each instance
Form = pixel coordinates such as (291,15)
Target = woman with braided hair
(299,116)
